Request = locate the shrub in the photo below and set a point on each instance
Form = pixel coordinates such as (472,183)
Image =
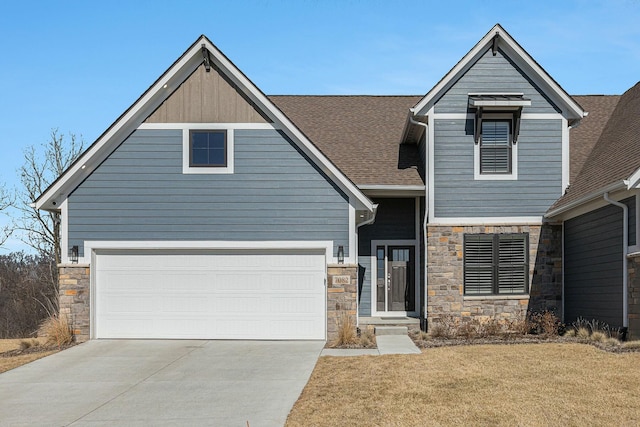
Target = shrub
(612,341)
(570,333)
(367,339)
(545,323)
(57,330)
(444,327)
(598,336)
(490,328)
(347,334)
(468,328)
(583,333)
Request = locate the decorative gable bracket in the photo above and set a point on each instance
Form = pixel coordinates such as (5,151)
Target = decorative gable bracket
(497,103)
(206,58)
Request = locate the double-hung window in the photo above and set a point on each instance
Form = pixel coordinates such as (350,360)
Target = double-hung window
(496,264)
(495,147)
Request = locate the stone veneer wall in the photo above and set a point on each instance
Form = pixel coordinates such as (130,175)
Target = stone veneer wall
(634,297)
(74,280)
(74,300)
(342,288)
(445,288)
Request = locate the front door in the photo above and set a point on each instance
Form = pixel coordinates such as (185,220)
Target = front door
(395,278)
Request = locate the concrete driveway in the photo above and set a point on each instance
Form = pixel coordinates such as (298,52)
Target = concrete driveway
(135,383)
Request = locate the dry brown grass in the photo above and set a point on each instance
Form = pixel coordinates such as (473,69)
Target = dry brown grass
(347,333)
(486,385)
(15,344)
(7,363)
(57,331)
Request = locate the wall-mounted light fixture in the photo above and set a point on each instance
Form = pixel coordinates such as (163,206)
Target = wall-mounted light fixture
(340,254)
(73,254)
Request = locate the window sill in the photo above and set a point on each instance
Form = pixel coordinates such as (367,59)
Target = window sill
(494,297)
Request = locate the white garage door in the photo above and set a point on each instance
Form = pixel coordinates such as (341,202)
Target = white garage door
(210,295)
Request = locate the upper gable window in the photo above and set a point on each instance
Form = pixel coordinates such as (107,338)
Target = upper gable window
(207,151)
(495,147)
(208,148)
(497,127)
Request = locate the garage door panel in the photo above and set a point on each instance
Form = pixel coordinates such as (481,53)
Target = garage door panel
(210,295)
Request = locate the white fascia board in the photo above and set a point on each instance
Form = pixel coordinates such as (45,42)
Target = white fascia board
(508,220)
(619,185)
(155,95)
(121,128)
(496,103)
(517,54)
(634,180)
(393,190)
(292,131)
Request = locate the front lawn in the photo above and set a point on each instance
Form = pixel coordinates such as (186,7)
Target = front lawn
(498,385)
(13,353)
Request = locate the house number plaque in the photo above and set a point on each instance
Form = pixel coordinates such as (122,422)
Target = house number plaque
(341,280)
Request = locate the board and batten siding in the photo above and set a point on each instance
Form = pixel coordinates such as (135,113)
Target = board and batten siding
(140,193)
(395,220)
(593,265)
(539,183)
(491,74)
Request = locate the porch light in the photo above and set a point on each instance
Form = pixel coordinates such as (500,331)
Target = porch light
(340,254)
(73,254)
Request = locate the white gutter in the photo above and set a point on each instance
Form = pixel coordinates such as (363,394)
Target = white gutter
(426,213)
(370,220)
(625,246)
(620,185)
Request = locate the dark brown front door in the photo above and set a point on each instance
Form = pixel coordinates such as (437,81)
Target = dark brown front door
(395,286)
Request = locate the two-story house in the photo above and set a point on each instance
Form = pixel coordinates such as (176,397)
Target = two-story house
(211,210)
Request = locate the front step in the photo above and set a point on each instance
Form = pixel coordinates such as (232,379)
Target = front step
(374,323)
(391,330)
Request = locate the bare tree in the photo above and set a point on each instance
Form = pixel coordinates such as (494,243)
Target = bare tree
(6,201)
(43,164)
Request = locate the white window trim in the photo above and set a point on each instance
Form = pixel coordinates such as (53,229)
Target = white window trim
(186,151)
(477,176)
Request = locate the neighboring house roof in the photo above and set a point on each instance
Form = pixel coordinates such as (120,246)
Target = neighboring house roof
(360,134)
(159,91)
(615,158)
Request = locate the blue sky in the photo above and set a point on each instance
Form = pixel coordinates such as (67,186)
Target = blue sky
(77,65)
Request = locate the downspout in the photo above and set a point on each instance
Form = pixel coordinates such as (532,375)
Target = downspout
(426,215)
(625,246)
(367,221)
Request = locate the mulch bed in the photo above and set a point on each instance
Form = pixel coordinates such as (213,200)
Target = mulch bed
(526,339)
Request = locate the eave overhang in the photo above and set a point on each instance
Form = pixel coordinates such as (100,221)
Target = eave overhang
(201,51)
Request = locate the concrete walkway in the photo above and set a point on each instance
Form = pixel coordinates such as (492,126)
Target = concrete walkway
(140,383)
(387,344)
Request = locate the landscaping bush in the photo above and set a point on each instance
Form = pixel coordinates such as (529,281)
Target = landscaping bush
(347,334)
(57,331)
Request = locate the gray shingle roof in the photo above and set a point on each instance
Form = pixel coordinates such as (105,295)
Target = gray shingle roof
(616,154)
(359,134)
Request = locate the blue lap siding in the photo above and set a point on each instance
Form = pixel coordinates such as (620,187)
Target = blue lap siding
(593,266)
(275,193)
